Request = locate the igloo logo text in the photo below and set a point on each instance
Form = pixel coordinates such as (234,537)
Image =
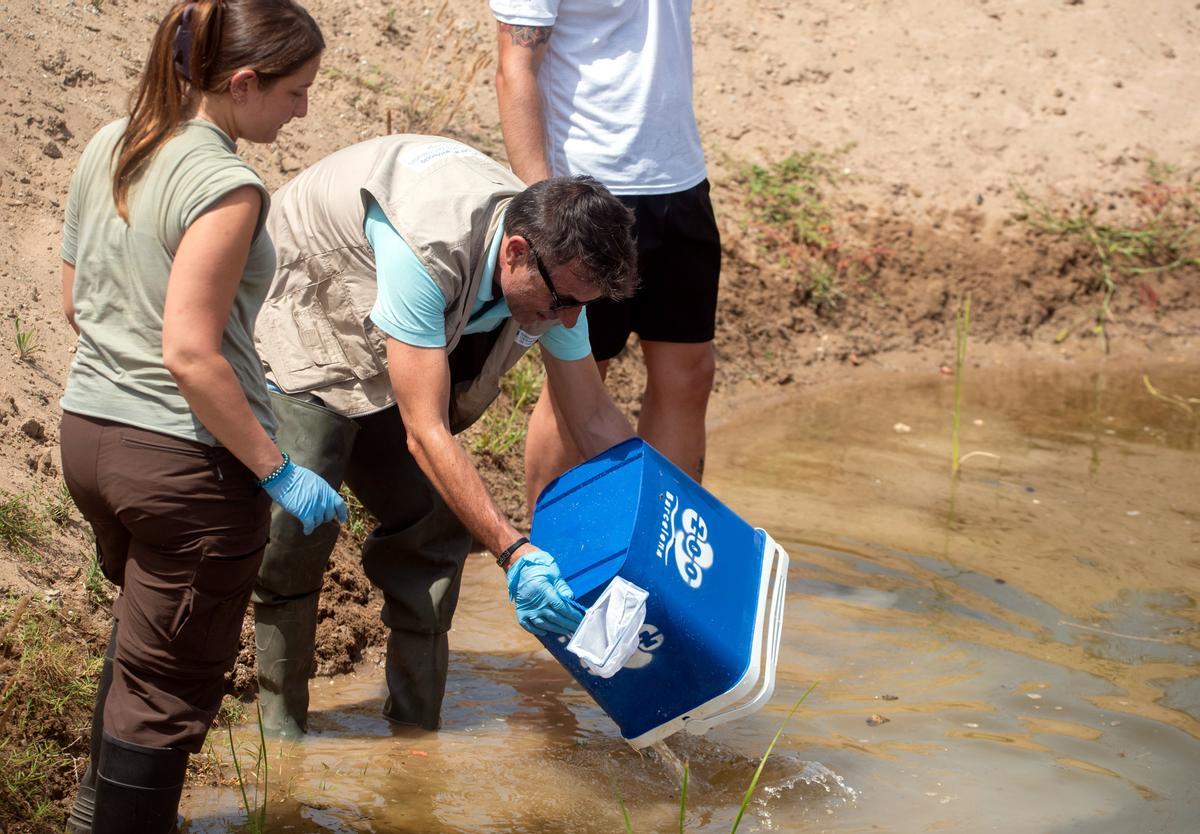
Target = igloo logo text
(684,535)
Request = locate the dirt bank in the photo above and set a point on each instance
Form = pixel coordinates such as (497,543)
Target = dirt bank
(924,125)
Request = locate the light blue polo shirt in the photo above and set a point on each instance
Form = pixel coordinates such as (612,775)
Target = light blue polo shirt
(411,308)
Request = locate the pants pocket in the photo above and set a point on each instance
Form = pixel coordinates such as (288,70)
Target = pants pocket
(216,604)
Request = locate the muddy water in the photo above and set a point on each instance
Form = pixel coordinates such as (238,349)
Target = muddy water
(1017,650)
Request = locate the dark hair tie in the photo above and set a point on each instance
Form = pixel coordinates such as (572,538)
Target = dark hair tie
(183,44)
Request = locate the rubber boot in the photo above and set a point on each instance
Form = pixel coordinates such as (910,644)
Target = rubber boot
(138,788)
(80,819)
(289,582)
(416,669)
(284,637)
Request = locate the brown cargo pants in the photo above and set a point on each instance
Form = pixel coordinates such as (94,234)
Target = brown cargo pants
(180,527)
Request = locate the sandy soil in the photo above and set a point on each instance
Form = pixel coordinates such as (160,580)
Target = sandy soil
(931,115)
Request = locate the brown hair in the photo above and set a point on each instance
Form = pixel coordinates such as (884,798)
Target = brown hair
(218,37)
(577,218)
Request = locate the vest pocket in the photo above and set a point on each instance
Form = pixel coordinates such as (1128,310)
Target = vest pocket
(316,335)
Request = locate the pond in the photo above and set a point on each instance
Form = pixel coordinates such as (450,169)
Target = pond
(1016,649)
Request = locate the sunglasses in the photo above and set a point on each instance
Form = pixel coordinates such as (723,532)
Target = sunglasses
(557,302)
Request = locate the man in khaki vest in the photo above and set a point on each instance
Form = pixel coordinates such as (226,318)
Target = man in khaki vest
(413,272)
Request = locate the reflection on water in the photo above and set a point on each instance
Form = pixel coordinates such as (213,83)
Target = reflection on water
(1016,651)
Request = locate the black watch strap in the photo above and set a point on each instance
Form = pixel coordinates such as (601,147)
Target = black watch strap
(507,553)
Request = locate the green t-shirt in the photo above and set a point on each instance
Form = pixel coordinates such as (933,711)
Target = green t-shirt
(121,273)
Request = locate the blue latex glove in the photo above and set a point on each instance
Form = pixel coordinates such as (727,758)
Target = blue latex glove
(306,495)
(543,599)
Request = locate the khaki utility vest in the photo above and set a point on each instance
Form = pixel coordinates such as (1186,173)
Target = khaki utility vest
(314,332)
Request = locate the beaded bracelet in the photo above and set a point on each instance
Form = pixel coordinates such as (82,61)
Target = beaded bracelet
(507,553)
(276,472)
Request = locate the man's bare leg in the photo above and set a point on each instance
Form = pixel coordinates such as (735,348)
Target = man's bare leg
(549,449)
(679,379)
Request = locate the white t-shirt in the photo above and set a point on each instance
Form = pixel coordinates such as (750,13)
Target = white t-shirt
(616,87)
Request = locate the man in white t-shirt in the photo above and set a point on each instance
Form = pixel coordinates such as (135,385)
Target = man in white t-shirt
(606,90)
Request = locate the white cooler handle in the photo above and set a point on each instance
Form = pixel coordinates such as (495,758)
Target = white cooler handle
(774,623)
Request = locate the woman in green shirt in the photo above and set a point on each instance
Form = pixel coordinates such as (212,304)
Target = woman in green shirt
(167,432)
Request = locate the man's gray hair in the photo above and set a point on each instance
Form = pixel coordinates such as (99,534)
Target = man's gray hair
(576,218)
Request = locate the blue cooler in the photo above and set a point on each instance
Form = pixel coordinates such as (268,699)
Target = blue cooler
(708,649)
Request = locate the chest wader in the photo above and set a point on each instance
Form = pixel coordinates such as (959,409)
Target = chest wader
(289,581)
(414,556)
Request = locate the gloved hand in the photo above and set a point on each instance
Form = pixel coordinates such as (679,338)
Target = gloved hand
(306,495)
(544,601)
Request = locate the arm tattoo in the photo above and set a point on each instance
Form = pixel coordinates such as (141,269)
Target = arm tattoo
(530,36)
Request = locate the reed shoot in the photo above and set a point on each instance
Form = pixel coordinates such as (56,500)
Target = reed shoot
(962,327)
(763,763)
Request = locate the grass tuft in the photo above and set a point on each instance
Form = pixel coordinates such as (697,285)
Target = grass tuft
(60,505)
(1164,235)
(95,583)
(359,522)
(503,426)
(27,341)
(49,688)
(786,198)
(793,224)
(20,526)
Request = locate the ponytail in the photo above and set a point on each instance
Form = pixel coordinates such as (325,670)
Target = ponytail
(197,48)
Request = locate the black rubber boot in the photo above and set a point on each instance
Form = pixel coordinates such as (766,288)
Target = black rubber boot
(138,789)
(416,678)
(284,637)
(80,819)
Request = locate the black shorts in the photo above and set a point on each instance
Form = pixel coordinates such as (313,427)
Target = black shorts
(679,264)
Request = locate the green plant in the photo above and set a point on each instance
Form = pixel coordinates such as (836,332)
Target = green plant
(389,22)
(502,427)
(359,522)
(499,432)
(683,789)
(20,526)
(27,770)
(763,762)
(95,583)
(523,382)
(27,341)
(256,811)
(60,505)
(1162,235)
(786,199)
(1159,172)
(683,786)
(824,293)
(49,680)
(962,328)
(231,711)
